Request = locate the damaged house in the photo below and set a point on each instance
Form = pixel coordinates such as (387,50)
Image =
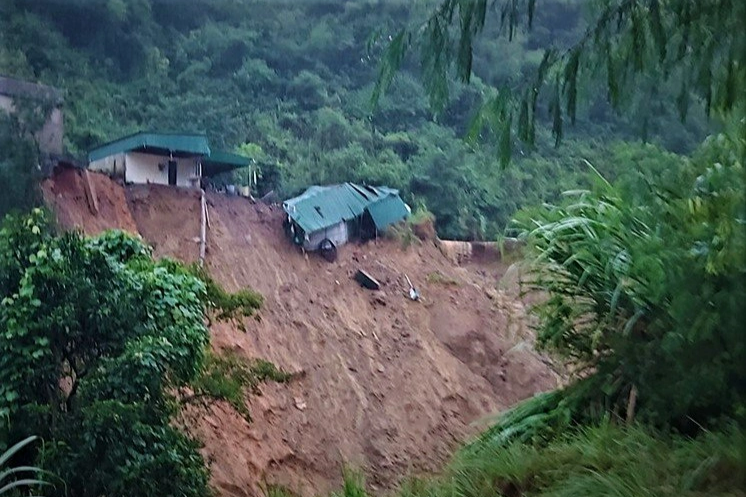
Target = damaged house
(328,216)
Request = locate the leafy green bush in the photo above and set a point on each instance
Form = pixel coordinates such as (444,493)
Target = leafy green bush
(643,286)
(95,337)
(598,460)
(229,377)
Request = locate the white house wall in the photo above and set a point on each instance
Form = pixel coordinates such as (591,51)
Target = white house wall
(113,165)
(143,168)
(338,234)
(137,167)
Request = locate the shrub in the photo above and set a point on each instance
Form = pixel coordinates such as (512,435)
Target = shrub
(642,289)
(96,340)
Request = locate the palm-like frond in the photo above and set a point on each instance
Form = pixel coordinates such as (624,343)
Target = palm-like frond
(19,476)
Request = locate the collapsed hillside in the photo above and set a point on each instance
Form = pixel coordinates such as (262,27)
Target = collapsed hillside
(384,383)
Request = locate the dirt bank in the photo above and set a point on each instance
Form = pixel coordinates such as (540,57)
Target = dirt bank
(65,195)
(386,384)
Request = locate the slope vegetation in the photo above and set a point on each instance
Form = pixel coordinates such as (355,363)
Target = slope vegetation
(382,382)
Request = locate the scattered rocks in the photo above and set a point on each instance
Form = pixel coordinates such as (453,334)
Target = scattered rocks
(491,293)
(300,404)
(378,298)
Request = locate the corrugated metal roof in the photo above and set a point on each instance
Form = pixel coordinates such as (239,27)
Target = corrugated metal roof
(219,162)
(320,207)
(177,143)
(389,210)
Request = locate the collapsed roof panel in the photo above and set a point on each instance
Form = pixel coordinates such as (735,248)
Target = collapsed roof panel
(387,211)
(320,207)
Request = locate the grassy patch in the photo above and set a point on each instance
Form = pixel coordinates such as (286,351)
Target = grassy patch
(603,460)
(402,233)
(274,490)
(353,484)
(441,279)
(230,377)
(227,306)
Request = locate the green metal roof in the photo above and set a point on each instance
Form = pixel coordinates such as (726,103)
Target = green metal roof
(320,207)
(175,143)
(219,162)
(389,210)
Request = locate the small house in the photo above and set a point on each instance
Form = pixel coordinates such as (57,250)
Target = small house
(337,213)
(179,159)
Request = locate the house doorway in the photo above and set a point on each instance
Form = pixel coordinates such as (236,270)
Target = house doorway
(172,172)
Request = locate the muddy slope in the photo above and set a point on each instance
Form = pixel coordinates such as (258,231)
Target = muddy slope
(385,384)
(65,195)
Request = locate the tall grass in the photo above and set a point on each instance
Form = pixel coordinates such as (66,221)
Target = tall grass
(602,460)
(16,479)
(641,286)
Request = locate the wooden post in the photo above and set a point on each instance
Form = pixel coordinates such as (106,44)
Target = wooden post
(202,228)
(631,404)
(90,193)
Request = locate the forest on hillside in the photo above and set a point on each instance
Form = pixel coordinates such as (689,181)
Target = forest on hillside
(624,123)
(290,84)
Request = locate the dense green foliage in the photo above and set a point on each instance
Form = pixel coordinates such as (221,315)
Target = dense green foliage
(95,335)
(228,377)
(644,283)
(97,343)
(290,83)
(19,172)
(669,52)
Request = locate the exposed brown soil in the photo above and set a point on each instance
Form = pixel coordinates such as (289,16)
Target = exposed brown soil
(385,383)
(168,218)
(65,195)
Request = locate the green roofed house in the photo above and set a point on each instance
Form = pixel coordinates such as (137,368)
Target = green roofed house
(336,213)
(180,159)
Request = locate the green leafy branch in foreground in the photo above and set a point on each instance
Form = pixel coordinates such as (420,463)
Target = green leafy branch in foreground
(633,45)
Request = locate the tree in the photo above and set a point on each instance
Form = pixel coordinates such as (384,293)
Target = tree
(636,45)
(95,340)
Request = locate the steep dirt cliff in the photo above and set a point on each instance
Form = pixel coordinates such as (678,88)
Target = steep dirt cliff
(385,383)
